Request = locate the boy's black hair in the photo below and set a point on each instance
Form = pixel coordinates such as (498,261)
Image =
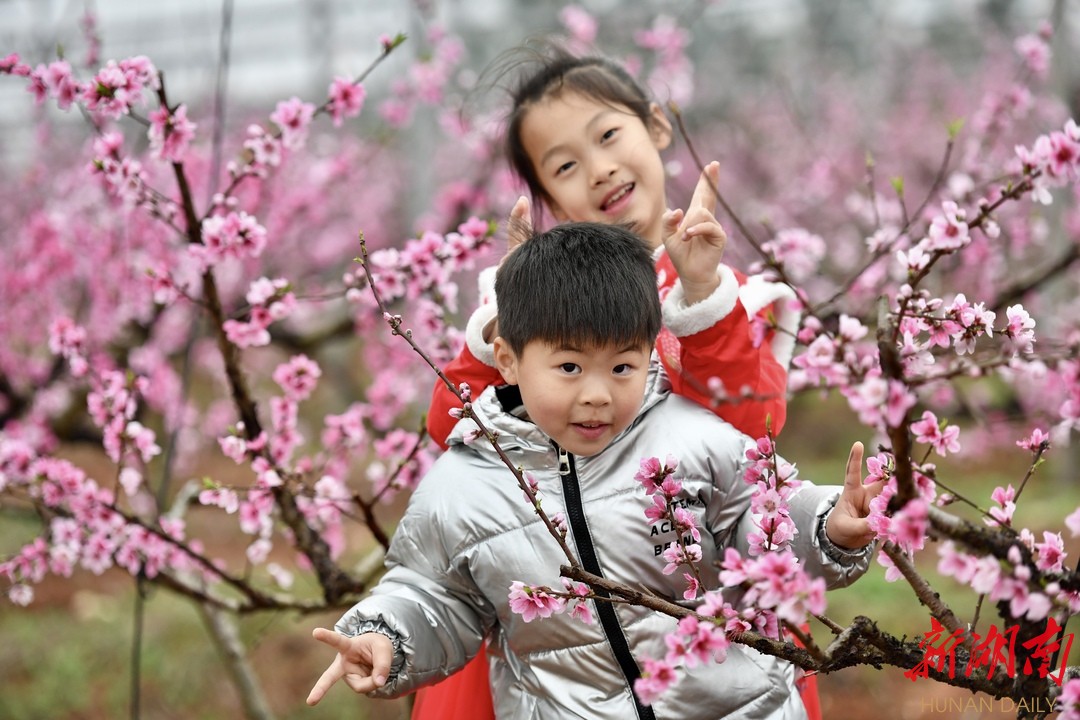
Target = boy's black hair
(579,285)
(547,70)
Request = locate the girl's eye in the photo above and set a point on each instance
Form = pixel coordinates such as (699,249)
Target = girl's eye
(569,368)
(609,134)
(565,167)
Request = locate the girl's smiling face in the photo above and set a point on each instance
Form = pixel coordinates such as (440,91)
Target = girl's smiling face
(599,162)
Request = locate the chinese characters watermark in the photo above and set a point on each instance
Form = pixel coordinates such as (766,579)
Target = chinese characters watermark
(992,650)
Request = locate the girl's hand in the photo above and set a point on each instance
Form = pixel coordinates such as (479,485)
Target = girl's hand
(847,526)
(695,240)
(362,661)
(518,226)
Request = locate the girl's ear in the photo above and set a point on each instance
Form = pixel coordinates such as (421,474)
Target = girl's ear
(659,127)
(505,361)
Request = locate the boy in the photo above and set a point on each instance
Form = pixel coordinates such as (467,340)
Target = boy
(578,314)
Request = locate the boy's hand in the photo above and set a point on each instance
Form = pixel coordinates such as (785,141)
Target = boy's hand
(363,661)
(695,240)
(847,526)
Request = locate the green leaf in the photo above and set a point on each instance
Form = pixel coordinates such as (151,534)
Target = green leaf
(955,127)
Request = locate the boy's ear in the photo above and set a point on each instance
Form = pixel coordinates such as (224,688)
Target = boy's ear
(659,127)
(505,361)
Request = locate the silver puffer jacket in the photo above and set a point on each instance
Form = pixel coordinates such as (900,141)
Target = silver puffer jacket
(469,533)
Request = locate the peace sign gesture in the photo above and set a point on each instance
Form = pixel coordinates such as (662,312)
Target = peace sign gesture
(362,661)
(695,240)
(848,526)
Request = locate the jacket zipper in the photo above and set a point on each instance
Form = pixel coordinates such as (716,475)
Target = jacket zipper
(609,619)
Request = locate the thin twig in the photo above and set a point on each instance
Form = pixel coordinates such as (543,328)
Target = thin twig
(926,594)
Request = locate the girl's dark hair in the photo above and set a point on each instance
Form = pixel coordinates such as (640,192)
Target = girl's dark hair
(579,285)
(546,70)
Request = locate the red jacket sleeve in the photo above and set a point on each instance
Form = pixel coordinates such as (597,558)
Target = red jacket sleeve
(464,368)
(726,351)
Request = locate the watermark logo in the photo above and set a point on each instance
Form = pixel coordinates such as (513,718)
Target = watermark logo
(954,707)
(993,650)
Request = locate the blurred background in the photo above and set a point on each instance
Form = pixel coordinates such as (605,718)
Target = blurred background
(793,96)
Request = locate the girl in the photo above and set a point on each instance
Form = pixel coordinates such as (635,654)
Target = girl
(586,139)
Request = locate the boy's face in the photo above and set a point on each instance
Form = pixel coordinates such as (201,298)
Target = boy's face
(599,163)
(581,397)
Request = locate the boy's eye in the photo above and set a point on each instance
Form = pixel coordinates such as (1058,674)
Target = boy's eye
(569,368)
(623,369)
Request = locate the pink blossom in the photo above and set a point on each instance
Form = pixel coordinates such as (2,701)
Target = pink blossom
(223,498)
(1069,701)
(580,608)
(531,603)
(1021,328)
(170,133)
(559,521)
(118,86)
(929,430)
(292,118)
(61,84)
(665,36)
(800,251)
(13,66)
(298,377)
(656,677)
(1038,440)
(265,150)
(579,23)
(686,523)
(676,555)
(692,587)
(235,234)
(243,334)
(144,440)
(1006,507)
(1072,521)
(658,510)
(264,290)
(909,526)
(651,474)
(948,232)
(769,504)
(20,594)
(670,488)
(1050,554)
(346,99)
(534,487)
(898,402)
(1035,52)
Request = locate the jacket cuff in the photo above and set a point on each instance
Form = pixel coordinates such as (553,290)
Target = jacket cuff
(351,626)
(474,333)
(839,555)
(684,320)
